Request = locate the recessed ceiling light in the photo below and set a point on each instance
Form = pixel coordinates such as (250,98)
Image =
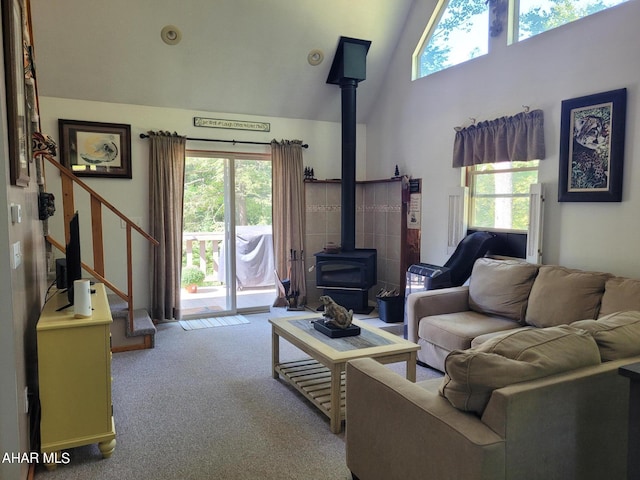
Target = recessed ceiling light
(315,57)
(171,35)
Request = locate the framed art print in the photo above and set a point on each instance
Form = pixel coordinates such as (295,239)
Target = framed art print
(592,132)
(94,149)
(17,117)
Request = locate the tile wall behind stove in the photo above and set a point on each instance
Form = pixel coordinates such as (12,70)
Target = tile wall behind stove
(378,225)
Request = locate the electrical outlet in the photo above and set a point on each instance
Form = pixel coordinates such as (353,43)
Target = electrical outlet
(16,255)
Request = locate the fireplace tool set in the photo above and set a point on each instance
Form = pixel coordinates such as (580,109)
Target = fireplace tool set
(296,276)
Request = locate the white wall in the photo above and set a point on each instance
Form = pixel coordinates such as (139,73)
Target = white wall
(132,196)
(412,125)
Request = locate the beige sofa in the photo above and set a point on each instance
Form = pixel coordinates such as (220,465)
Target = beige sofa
(533,398)
(510,294)
(529,403)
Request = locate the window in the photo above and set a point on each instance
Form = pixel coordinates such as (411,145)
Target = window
(499,195)
(228,196)
(538,16)
(458,31)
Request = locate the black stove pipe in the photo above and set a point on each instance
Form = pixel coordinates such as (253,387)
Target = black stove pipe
(349,67)
(348,205)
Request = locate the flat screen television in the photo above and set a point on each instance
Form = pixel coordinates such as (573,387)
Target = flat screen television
(72,256)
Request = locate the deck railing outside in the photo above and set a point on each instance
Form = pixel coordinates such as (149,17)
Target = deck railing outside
(206,246)
(254,260)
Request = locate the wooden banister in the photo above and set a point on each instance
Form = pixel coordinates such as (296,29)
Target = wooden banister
(96,234)
(68,179)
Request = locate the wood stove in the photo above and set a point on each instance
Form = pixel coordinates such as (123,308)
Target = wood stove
(348,275)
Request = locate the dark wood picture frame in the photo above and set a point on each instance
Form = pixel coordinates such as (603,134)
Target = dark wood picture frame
(95,149)
(592,136)
(17,112)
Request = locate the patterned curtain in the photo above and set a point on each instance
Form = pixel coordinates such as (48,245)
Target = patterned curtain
(166,187)
(289,218)
(506,139)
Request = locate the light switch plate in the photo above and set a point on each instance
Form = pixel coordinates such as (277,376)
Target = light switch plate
(16,213)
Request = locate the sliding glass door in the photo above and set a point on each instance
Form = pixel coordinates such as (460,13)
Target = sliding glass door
(227,234)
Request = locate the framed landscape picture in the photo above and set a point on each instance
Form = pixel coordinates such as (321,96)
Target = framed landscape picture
(94,149)
(592,132)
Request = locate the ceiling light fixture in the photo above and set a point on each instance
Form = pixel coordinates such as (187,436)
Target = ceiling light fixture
(171,35)
(315,57)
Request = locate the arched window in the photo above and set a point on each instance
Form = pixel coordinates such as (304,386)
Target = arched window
(457,31)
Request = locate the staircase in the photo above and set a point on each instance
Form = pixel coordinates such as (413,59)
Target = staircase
(123,337)
(132,329)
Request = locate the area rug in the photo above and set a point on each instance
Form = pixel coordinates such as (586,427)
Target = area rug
(198,323)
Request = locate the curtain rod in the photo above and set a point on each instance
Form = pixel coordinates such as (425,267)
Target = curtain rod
(304,145)
(525,109)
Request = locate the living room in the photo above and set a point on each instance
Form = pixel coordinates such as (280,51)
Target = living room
(405,123)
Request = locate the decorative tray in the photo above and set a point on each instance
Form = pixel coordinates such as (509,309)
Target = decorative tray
(332,331)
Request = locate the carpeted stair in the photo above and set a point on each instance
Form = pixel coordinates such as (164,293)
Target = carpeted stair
(123,338)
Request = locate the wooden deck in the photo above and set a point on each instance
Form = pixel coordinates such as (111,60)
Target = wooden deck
(211,301)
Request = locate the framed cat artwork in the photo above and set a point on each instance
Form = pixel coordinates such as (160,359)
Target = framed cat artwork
(592,132)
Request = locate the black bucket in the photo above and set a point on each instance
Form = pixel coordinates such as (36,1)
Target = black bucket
(391,309)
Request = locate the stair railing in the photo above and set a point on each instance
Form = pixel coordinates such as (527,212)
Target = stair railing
(68,206)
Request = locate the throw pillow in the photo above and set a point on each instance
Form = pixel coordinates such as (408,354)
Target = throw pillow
(519,356)
(620,294)
(560,296)
(501,287)
(617,334)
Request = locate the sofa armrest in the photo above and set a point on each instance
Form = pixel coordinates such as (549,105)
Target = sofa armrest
(434,302)
(577,421)
(396,429)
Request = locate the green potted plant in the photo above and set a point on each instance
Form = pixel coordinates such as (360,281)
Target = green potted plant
(192,277)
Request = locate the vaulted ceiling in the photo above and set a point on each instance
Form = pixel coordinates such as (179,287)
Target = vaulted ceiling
(235,56)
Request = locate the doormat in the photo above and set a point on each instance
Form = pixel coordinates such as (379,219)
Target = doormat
(199,323)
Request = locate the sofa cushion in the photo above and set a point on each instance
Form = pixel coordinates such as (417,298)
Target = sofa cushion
(480,339)
(620,294)
(617,334)
(525,354)
(501,287)
(560,296)
(454,331)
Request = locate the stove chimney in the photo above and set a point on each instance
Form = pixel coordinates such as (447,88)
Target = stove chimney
(349,68)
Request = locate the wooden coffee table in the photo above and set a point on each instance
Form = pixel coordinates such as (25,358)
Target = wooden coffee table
(321,378)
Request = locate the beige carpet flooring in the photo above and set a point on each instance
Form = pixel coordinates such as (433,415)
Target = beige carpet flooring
(203,405)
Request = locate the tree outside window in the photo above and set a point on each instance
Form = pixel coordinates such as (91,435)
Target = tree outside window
(458,30)
(499,195)
(538,16)
(459,35)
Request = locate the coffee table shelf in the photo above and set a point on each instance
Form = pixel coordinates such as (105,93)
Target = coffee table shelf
(321,379)
(313,380)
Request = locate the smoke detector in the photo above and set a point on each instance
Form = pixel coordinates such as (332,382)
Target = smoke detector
(315,57)
(171,35)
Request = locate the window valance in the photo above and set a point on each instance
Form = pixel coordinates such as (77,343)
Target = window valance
(505,139)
